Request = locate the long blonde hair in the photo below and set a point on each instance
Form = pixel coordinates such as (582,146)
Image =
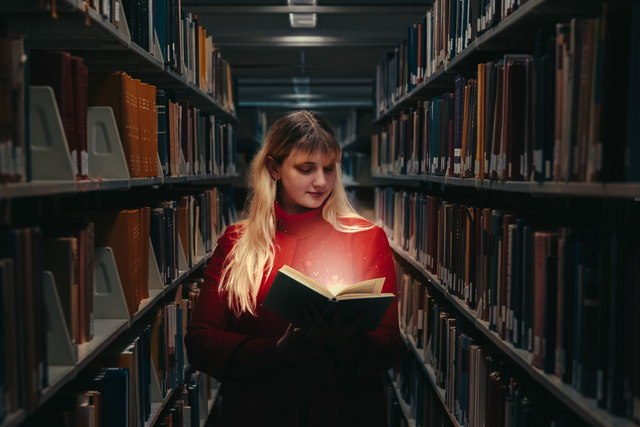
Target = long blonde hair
(253,253)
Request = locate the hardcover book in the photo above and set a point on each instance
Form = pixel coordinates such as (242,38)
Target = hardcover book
(292,291)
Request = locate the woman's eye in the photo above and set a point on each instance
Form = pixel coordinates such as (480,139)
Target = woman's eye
(329,170)
(306,170)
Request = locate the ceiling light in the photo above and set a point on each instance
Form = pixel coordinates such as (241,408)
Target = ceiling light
(302,20)
(301,2)
(299,96)
(303,40)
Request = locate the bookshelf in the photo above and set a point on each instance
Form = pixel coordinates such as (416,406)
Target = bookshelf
(408,102)
(586,408)
(510,34)
(106,332)
(103,45)
(621,190)
(58,188)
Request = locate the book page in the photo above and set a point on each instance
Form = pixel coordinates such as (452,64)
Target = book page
(306,281)
(363,296)
(370,286)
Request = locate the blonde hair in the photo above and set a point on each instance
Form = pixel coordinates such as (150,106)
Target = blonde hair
(252,255)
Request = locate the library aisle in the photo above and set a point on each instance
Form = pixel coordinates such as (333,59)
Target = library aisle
(495,142)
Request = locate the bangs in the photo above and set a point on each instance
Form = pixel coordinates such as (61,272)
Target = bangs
(326,146)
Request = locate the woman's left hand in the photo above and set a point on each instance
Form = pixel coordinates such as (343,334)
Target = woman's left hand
(333,333)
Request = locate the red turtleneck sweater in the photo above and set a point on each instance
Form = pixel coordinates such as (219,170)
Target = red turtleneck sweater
(340,388)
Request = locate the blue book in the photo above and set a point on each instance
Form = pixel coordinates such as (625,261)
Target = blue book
(160,24)
(145,365)
(113,386)
(194,402)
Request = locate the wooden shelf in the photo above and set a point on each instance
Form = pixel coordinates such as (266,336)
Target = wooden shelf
(585,408)
(56,188)
(624,190)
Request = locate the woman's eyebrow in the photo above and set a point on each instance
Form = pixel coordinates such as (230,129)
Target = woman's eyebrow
(314,163)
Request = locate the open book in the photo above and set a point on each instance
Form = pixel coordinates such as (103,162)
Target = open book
(292,291)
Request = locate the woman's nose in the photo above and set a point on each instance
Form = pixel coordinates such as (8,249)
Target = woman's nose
(320,180)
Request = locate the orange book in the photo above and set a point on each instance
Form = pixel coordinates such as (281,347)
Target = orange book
(115,90)
(153,131)
(114,230)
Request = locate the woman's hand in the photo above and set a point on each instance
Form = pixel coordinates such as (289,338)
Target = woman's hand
(333,333)
(297,345)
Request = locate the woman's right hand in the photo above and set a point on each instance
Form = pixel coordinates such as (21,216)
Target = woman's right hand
(296,345)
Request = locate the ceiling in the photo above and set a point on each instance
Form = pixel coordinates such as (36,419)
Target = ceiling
(327,67)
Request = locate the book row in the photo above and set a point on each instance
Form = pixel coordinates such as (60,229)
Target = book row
(408,384)
(186,46)
(128,233)
(193,406)
(556,115)
(130,387)
(565,295)
(205,214)
(479,387)
(445,30)
(65,250)
(151,126)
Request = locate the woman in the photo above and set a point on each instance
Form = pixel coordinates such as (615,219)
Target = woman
(273,373)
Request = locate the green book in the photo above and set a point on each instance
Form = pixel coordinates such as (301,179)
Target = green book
(293,291)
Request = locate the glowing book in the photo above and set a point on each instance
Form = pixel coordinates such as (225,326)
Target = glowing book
(293,291)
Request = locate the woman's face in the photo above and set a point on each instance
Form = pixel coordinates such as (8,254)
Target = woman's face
(305,181)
